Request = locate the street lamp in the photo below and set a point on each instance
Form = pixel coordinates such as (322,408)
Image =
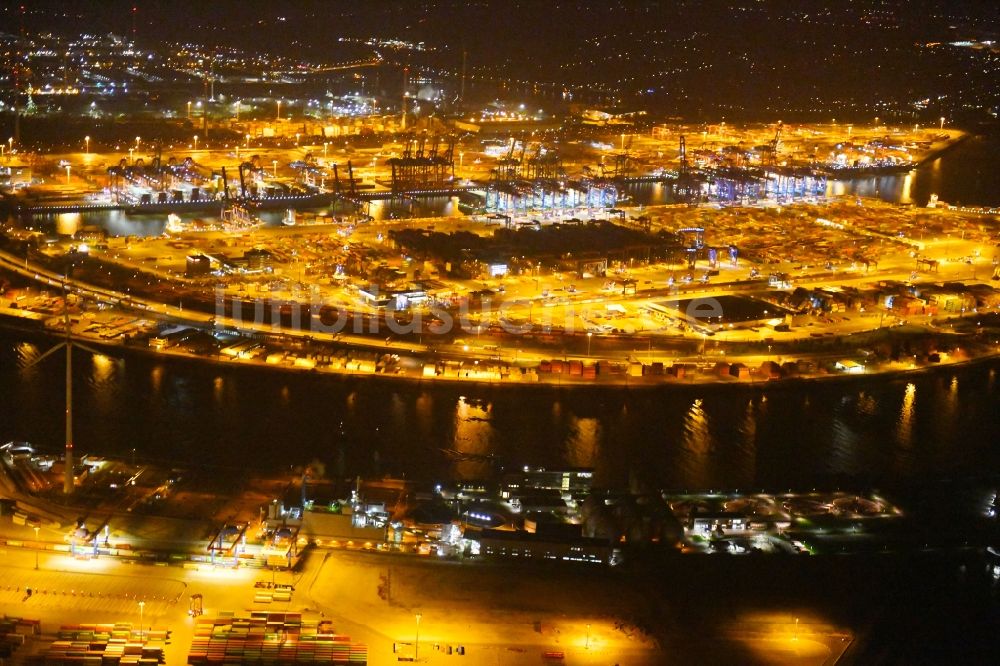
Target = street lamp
(942,122)
(326,144)
(274,163)
(86,141)
(589,336)
(297,135)
(279,110)
(196,142)
(130,151)
(137,143)
(36,547)
(416,643)
(189,111)
(248,140)
(142,606)
(67,174)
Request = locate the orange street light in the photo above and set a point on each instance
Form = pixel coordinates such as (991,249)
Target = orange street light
(416,642)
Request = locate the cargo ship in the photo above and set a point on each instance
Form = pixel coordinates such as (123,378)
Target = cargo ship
(295,218)
(233,220)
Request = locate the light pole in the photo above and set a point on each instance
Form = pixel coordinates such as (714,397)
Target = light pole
(196,142)
(86,142)
(142,606)
(326,144)
(36,547)
(137,143)
(130,151)
(589,336)
(189,111)
(297,135)
(279,110)
(274,164)
(67,174)
(942,122)
(416,643)
(248,140)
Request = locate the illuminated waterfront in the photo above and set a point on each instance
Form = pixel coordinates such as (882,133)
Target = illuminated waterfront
(963,175)
(880,430)
(576,333)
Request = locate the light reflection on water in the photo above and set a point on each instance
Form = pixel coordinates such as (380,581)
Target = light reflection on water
(843,457)
(103,379)
(948,408)
(473,439)
(867,404)
(156,379)
(697,445)
(904,428)
(681,436)
(748,443)
(68,224)
(583,441)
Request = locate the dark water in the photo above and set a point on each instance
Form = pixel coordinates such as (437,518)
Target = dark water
(966,175)
(120,223)
(875,430)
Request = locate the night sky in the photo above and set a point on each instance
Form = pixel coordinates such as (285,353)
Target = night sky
(713,58)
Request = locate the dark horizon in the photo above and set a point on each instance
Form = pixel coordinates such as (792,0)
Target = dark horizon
(713,59)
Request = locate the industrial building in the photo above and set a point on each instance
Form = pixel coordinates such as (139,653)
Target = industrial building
(536,547)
